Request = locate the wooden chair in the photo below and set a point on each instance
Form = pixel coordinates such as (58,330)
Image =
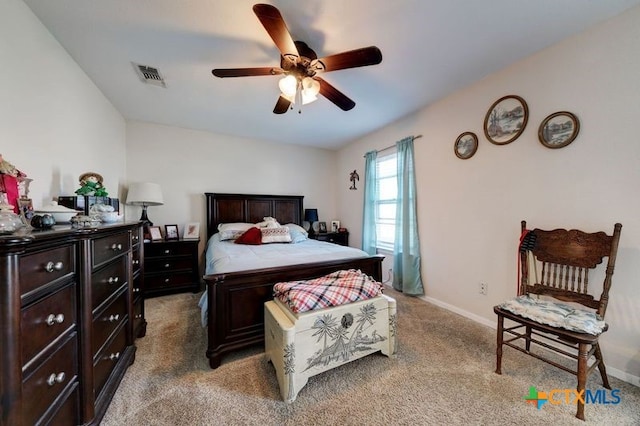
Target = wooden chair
(566,258)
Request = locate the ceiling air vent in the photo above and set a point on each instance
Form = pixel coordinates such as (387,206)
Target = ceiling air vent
(150,75)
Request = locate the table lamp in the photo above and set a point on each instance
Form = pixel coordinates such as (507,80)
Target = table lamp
(311,215)
(145,194)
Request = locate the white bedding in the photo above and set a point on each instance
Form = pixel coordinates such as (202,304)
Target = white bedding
(227,256)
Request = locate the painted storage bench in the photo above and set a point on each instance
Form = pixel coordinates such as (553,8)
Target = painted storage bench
(301,345)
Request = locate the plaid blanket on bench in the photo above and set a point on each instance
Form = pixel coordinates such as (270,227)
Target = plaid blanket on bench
(337,288)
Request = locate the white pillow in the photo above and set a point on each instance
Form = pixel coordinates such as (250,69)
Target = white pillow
(294,227)
(231,231)
(275,235)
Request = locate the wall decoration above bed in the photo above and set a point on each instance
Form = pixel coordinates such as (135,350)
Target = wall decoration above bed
(506,119)
(466,145)
(558,129)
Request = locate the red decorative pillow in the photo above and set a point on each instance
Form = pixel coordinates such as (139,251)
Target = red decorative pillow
(251,236)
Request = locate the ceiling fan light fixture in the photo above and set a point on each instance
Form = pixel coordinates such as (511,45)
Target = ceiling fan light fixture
(288,86)
(308,97)
(310,90)
(311,86)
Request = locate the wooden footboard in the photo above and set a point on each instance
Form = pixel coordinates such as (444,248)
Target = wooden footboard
(236,300)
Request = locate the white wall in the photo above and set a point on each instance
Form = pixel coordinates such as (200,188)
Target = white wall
(188,163)
(54,122)
(469,211)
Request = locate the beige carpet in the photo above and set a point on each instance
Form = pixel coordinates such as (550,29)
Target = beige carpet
(443,375)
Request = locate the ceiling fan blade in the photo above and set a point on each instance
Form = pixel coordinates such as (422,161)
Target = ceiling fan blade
(334,95)
(273,22)
(246,72)
(354,58)
(282,105)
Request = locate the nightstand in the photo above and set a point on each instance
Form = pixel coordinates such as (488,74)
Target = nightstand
(341,238)
(170,267)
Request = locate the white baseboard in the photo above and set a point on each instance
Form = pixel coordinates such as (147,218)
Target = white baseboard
(618,374)
(466,314)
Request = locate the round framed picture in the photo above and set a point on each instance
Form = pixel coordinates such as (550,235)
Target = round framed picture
(506,120)
(558,130)
(466,145)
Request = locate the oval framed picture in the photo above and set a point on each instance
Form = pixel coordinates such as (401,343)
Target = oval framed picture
(506,119)
(558,130)
(466,145)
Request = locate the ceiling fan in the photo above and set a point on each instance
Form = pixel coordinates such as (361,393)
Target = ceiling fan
(301,66)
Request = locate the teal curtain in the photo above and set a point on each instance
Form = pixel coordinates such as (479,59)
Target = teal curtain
(406,249)
(370,197)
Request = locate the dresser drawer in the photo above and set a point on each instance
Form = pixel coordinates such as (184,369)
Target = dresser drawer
(43,267)
(106,248)
(107,280)
(167,249)
(138,317)
(107,322)
(47,382)
(155,282)
(46,320)
(107,360)
(137,286)
(67,414)
(135,237)
(135,263)
(168,264)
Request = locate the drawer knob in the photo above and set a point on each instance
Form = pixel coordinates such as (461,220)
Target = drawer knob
(53,266)
(113,280)
(54,319)
(136,262)
(166,280)
(114,318)
(136,290)
(55,378)
(167,251)
(138,316)
(114,357)
(116,247)
(167,265)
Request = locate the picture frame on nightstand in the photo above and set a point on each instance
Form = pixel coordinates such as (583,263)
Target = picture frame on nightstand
(155,233)
(322,227)
(171,232)
(335,225)
(191,231)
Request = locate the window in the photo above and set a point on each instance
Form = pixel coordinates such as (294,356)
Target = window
(387,171)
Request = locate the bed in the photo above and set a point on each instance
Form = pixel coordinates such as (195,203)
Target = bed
(235,300)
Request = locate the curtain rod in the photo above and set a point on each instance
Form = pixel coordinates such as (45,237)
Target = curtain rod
(393,146)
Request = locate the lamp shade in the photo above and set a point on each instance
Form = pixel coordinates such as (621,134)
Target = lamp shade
(145,194)
(311,215)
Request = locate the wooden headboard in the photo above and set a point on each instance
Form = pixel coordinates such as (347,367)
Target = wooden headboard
(251,208)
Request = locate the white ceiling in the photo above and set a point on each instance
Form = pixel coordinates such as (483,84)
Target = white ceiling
(430,48)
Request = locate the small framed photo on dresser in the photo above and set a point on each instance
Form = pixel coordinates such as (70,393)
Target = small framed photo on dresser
(191,231)
(322,228)
(171,232)
(155,233)
(335,225)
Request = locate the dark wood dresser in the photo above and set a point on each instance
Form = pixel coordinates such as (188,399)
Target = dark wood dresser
(66,309)
(171,266)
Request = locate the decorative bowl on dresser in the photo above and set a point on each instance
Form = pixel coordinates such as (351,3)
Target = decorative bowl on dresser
(170,266)
(66,309)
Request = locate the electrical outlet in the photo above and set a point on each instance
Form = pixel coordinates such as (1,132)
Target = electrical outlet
(483,288)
